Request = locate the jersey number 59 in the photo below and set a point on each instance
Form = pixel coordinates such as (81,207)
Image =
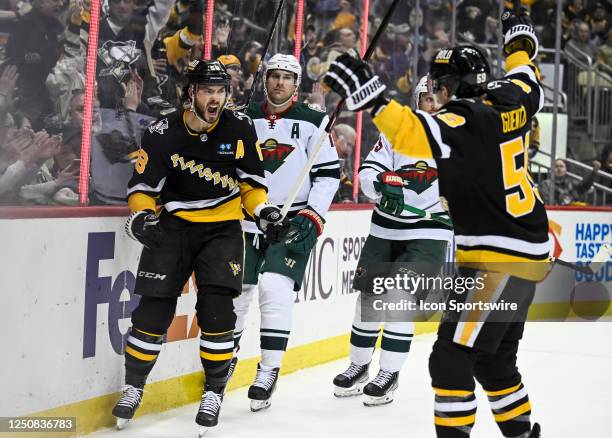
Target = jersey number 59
(521,202)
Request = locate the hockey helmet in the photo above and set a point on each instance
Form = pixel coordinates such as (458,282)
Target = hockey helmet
(421,88)
(201,71)
(464,70)
(289,63)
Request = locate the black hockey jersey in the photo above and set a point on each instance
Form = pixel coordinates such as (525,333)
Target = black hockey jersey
(200,177)
(480,147)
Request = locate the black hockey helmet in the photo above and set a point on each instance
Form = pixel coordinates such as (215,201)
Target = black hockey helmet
(464,70)
(200,71)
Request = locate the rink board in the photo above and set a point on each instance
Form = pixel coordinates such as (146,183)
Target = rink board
(67,286)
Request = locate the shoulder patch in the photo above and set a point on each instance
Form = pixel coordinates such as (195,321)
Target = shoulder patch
(159,126)
(242,116)
(451,119)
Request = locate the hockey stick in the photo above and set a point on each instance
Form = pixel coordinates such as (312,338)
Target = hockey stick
(602,256)
(332,120)
(265,52)
(427,215)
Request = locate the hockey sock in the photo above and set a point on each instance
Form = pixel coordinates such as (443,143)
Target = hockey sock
(276,297)
(454,413)
(241,308)
(216,352)
(216,318)
(395,345)
(141,352)
(511,409)
(363,337)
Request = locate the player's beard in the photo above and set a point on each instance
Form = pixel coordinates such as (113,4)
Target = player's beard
(210,111)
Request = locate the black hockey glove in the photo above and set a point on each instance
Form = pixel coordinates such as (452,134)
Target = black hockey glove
(306,226)
(354,81)
(144,227)
(519,33)
(273,226)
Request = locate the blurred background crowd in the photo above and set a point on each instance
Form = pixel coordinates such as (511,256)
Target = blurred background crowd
(144,46)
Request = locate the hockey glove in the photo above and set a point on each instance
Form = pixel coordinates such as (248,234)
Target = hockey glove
(354,81)
(269,220)
(390,185)
(144,227)
(306,226)
(519,33)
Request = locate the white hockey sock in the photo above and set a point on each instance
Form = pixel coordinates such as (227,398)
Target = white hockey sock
(241,308)
(363,337)
(395,345)
(276,297)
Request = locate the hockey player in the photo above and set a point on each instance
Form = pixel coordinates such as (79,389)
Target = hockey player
(205,164)
(288,132)
(479,140)
(395,236)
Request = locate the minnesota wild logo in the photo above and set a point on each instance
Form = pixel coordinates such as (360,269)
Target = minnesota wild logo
(274,154)
(418,177)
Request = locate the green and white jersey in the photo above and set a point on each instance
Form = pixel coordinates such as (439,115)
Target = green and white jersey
(420,190)
(286,142)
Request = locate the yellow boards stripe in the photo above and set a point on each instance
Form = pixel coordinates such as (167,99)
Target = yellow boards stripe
(139,355)
(456,421)
(525,407)
(216,356)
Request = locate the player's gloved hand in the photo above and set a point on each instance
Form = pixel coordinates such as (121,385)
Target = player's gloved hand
(306,226)
(144,227)
(519,33)
(269,220)
(354,81)
(390,185)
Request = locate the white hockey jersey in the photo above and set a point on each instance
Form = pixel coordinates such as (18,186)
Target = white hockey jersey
(286,141)
(420,190)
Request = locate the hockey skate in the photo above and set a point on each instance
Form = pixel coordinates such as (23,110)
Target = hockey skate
(380,390)
(350,383)
(208,412)
(126,407)
(260,392)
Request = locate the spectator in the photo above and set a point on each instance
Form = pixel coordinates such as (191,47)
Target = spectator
(580,43)
(343,137)
(573,10)
(534,138)
(343,41)
(471,22)
(599,22)
(345,17)
(605,50)
(34,47)
(566,190)
(13,10)
(310,58)
(239,86)
(544,15)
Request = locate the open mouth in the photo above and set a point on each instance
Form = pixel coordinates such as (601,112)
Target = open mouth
(212,110)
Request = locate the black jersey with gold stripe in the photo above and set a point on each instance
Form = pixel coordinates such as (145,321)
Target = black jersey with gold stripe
(200,177)
(480,146)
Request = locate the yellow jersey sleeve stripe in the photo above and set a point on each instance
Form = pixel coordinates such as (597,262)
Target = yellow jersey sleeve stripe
(518,59)
(519,410)
(404,130)
(452,392)
(139,355)
(140,201)
(503,391)
(252,197)
(216,357)
(455,421)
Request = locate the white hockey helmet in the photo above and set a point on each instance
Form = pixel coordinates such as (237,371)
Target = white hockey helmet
(420,89)
(284,62)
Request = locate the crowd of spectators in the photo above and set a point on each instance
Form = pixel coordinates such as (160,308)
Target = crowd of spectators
(145,45)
